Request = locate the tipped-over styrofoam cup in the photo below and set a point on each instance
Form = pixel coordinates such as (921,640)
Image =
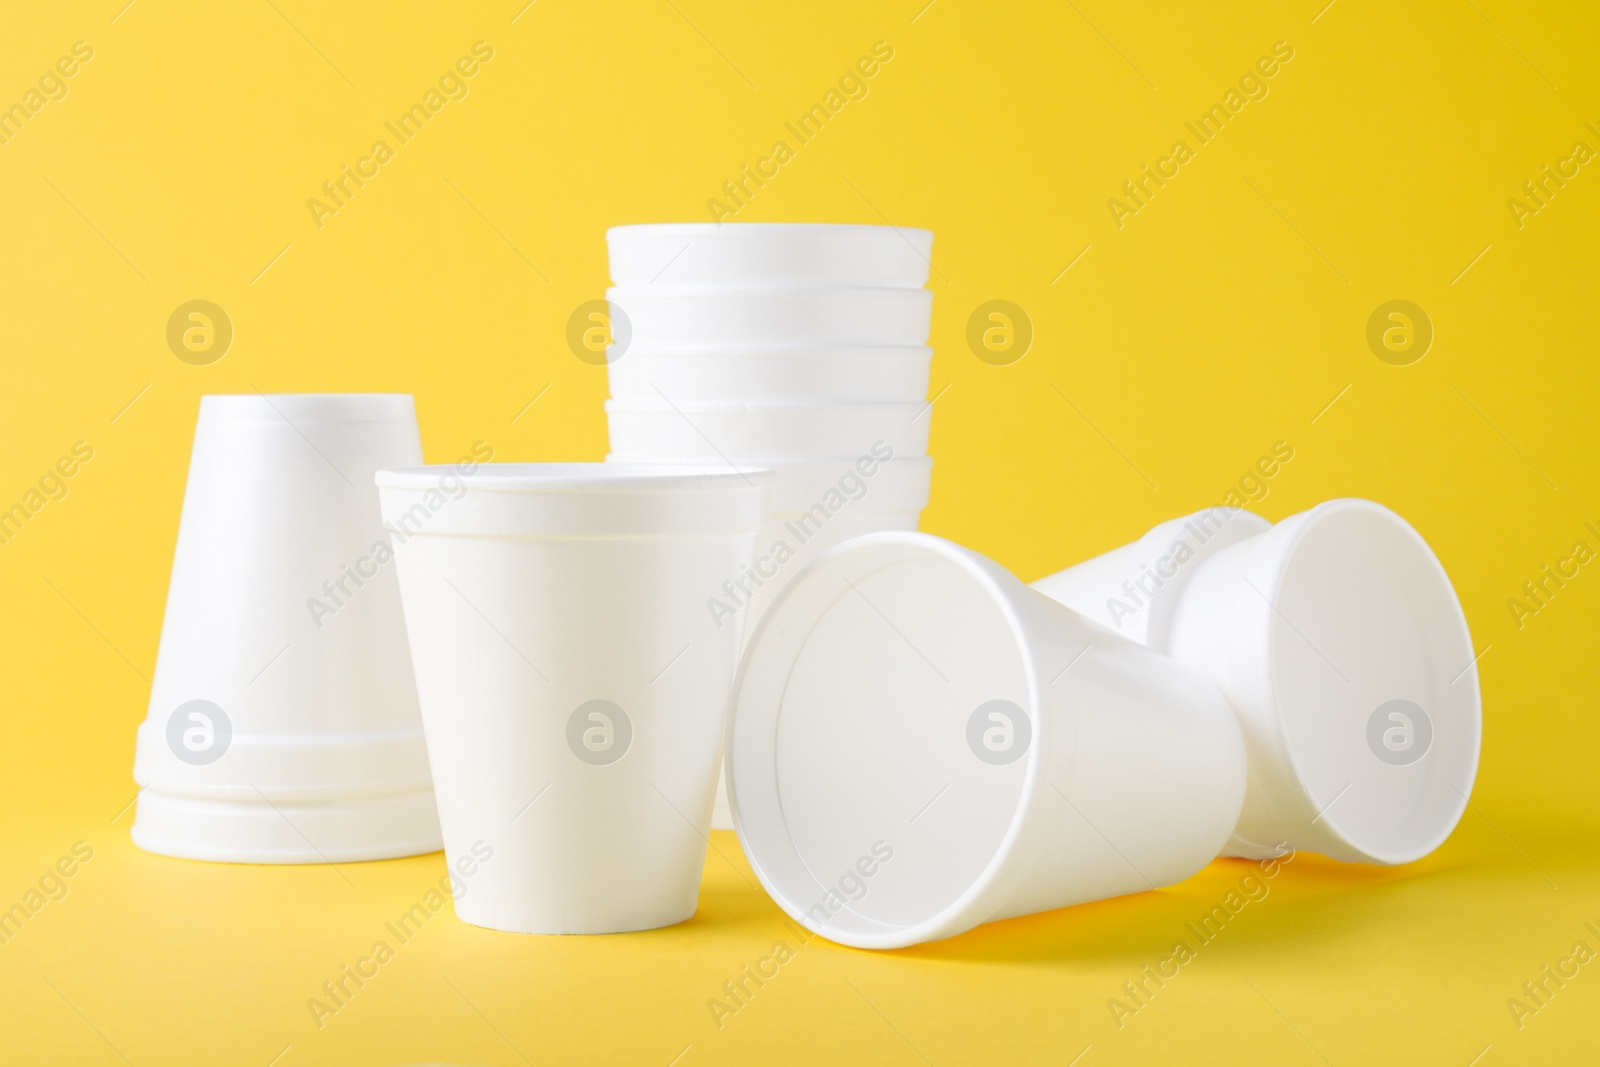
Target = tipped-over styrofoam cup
(573,681)
(920,743)
(283,723)
(769,253)
(773,374)
(1339,641)
(762,434)
(663,317)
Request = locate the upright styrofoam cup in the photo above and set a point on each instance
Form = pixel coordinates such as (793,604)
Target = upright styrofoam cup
(283,723)
(769,254)
(1342,646)
(920,743)
(764,433)
(573,682)
(664,317)
(774,374)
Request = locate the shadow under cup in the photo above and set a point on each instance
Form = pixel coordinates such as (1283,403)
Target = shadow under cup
(573,682)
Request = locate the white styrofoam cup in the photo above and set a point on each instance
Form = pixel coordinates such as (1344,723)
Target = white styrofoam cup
(920,743)
(283,723)
(1342,646)
(769,254)
(573,683)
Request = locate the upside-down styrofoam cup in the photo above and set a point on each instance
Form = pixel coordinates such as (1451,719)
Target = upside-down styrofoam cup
(774,374)
(762,434)
(920,743)
(573,682)
(283,723)
(1342,646)
(663,317)
(769,253)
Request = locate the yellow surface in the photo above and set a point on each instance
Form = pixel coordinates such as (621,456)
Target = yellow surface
(1223,316)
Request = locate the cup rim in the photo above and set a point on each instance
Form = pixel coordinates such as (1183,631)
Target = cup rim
(582,477)
(1450,627)
(762,350)
(790,464)
(296,408)
(745,295)
(759,229)
(628,405)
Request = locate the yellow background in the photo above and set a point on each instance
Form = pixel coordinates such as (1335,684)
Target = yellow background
(1222,318)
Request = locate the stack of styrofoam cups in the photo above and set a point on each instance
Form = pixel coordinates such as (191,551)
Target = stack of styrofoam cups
(283,723)
(573,687)
(791,347)
(1338,639)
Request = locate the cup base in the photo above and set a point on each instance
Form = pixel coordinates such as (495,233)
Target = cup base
(320,831)
(593,916)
